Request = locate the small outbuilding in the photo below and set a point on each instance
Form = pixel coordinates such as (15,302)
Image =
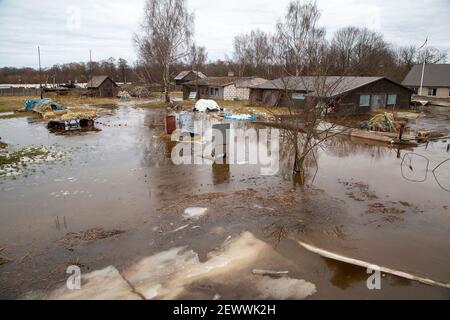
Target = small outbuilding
(102,86)
(221,88)
(360,94)
(186,76)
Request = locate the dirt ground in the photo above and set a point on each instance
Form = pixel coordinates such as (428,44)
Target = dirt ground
(114,204)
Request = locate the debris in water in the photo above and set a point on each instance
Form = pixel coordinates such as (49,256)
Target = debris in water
(358,191)
(195,198)
(194,213)
(180,228)
(272,273)
(364,264)
(4,260)
(381,208)
(75,239)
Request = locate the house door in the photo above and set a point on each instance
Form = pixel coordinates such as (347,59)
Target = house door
(378,101)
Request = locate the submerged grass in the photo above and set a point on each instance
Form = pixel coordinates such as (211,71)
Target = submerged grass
(24,161)
(16,156)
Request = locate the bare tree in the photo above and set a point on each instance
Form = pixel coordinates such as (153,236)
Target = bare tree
(431,55)
(302,49)
(197,59)
(243,54)
(165,36)
(298,35)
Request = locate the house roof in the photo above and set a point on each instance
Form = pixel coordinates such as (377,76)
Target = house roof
(328,85)
(243,82)
(184,74)
(436,75)
(97,81)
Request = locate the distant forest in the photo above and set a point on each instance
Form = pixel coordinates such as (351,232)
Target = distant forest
(360,50)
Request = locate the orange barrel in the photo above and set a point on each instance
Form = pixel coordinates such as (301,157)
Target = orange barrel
(171,124)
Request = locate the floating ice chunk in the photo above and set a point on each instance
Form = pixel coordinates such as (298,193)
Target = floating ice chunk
(194,213)
(106,284)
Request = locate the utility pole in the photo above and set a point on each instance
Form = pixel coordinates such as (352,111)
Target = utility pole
(423,68)
(40,71)
(90,63)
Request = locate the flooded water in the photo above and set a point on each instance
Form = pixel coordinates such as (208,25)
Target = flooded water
(385,206)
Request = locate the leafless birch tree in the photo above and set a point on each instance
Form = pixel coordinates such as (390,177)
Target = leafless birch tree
(165,37)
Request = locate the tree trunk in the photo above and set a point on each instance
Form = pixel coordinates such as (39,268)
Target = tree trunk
(167,83)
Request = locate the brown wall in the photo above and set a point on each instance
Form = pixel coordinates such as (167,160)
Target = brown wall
(107,89)
(380,87)
(349,99)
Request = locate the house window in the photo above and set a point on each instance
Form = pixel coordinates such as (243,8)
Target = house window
(364,100)
(298,96)
(432,92)
(392,100)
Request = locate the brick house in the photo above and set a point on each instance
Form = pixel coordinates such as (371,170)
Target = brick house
(221,88)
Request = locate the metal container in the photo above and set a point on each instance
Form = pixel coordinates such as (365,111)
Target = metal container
(171,124)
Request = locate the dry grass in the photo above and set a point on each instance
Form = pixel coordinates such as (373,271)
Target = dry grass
(73,239)
(8,104)
(4,260)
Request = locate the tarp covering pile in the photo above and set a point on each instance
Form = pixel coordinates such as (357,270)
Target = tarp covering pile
(382,122)
(204,105)
(124,95)
(42,105)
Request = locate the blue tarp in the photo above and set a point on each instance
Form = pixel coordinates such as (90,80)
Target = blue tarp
(33,104)
(247,117)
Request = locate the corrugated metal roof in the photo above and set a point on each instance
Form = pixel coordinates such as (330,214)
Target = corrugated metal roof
(436,75)
(183,74)
(316,85)
(97,81)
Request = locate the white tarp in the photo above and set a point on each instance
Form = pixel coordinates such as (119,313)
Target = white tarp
(204,105)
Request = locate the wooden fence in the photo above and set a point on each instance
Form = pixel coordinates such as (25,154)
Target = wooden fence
(6,92)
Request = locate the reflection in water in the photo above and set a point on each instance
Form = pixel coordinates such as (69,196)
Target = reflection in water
(345,275)
(220,173)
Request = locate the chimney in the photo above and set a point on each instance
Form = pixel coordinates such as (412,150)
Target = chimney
(230,73)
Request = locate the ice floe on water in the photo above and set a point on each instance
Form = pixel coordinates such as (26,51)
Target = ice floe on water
(171,273)
(194,213)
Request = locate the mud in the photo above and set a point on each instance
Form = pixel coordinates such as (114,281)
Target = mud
(122,178)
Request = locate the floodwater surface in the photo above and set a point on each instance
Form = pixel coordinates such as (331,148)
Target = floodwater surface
(366,201)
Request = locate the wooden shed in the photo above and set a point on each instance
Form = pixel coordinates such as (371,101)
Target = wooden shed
(102,86)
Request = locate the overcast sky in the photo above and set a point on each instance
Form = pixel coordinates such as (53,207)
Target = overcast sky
(66,31)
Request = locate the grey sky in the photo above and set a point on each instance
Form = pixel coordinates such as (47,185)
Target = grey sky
(67,30)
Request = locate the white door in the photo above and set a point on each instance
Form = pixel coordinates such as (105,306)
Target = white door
(378,101)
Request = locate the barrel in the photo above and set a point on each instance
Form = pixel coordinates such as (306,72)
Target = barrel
(171,124)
